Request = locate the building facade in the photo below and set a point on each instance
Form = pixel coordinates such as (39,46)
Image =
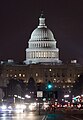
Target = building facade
(62,75)
(42,62)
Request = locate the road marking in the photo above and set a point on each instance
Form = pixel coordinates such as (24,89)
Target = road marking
(76,118)
(63,111)
(44,118)
(21,118)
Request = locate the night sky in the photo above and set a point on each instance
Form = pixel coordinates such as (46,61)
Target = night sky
(18,18)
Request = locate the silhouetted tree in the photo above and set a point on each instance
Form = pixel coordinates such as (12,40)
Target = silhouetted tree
(31,84)
(78,86)
(15,86)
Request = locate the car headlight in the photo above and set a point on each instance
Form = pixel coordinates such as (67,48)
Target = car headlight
(30,107)
(22,106)
(3,107)
(17,106)
(9,107)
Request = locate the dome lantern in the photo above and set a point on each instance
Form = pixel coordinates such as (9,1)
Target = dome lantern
(41,21)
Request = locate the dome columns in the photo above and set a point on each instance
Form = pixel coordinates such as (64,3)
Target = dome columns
(42,44)
(42,54)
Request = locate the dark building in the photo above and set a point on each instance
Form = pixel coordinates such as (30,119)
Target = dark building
(42,62)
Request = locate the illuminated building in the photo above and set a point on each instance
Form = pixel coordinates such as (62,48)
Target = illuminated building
(42,45)
(42,62)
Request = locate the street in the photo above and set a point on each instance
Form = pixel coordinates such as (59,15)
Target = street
(24,116)
(57,115)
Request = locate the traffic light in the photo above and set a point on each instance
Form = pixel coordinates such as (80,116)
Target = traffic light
(49,86)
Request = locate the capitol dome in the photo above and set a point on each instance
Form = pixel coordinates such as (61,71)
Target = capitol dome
(42,33)
(42,45)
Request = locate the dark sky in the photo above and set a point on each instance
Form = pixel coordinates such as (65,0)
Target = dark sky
(18,18)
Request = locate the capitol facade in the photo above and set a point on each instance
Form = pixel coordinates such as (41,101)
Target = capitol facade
(42,62)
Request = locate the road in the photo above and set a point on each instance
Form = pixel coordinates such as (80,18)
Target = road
(21,116)
(57,115)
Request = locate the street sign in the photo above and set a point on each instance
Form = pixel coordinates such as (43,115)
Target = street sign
(39,93)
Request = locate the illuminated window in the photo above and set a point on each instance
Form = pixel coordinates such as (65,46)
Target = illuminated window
(33,55)
(58,81)
(49,54)
(41,54)
(65,81)
(19,75)
(61,81)
(69,81)
(69,91)
(25,81)
(7,75)
(37,54)
(40,81)
(64,86)
(36,74)
(44,54)
(55,79)
(78,75)
(23,75)
(53,55)
(15,75)
(10,75)
(50,70)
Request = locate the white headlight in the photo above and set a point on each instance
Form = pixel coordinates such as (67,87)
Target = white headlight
(9,107)
(18,106)
(4,107)
(23,106)
(30,107)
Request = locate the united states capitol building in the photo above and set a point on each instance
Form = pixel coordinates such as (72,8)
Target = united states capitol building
(42,62)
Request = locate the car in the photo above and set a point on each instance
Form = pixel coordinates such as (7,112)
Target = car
(32,107)
(12,108)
